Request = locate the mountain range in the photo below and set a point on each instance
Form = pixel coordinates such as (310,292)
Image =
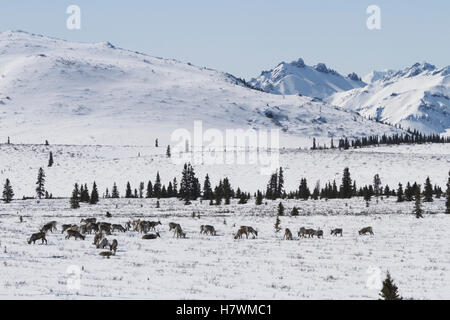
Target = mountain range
(415,98)
(95,93)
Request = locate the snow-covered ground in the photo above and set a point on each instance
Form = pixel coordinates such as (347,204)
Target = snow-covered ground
(415,252)
(109,164)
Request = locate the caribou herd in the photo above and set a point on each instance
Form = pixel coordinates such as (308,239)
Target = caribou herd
(102,229)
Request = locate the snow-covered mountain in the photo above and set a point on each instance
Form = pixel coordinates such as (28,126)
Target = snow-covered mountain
(298,78)
(98,94)
(417,97)
(376,75)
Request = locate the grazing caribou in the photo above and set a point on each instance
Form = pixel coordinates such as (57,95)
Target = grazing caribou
(287,234)
(113,246)
(37,236)
(152,224)
(173,225)
(151,236)
(246,230)
(118,227)
(336,232)
(103,244)
(75,234)
(49,227)
(319,233)
(106,254)
(205,229)
(366,230)
(88,220)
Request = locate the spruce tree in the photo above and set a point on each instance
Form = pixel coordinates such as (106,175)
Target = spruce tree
(115,191)
(128,192)
(157,186)
(259,198)
(400,196)
(149,191)
(8,192)
(94,194)
(50,160)
(74,199)
(346,186)
(280,209)
(168,154)
(389,290)
(428,191)
(417,205)
(40,190)
(207,191)
(189,185)
(280,184)
(277,224)
(447,198)
(376,184)
(294,212)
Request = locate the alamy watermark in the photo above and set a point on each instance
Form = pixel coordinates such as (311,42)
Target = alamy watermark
(73,277)
(374,281)
(374,20)
(73,22)
(230,146)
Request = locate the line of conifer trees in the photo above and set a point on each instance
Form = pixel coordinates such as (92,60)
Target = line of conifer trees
(414,137)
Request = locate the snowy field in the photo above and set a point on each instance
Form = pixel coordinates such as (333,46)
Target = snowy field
(109,164)
(416,252)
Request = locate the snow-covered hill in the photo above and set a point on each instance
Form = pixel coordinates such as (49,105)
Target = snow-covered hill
(298,78)
(98,94)
(417,97)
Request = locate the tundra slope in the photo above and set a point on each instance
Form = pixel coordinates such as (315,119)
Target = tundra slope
(95,93)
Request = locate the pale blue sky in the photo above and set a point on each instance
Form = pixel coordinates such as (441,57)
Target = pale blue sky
(244,37)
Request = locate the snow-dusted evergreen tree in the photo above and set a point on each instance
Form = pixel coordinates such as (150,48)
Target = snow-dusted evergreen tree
(346,185)
(447,197)
(389,290)
(428,191)
(74,199)
(259,198)
(376,184)
(141,189)
(417,204)
(277,225)
(128,192)
(8,193)
(94,194)
(168,154)
(189,185)
(400,195)
(280,211)
(40,190)
(115,191)
(157,186)
(149,191)
(280,184)
(207,190)
(175,187)
(50,159)
(294,212)
(303,190)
